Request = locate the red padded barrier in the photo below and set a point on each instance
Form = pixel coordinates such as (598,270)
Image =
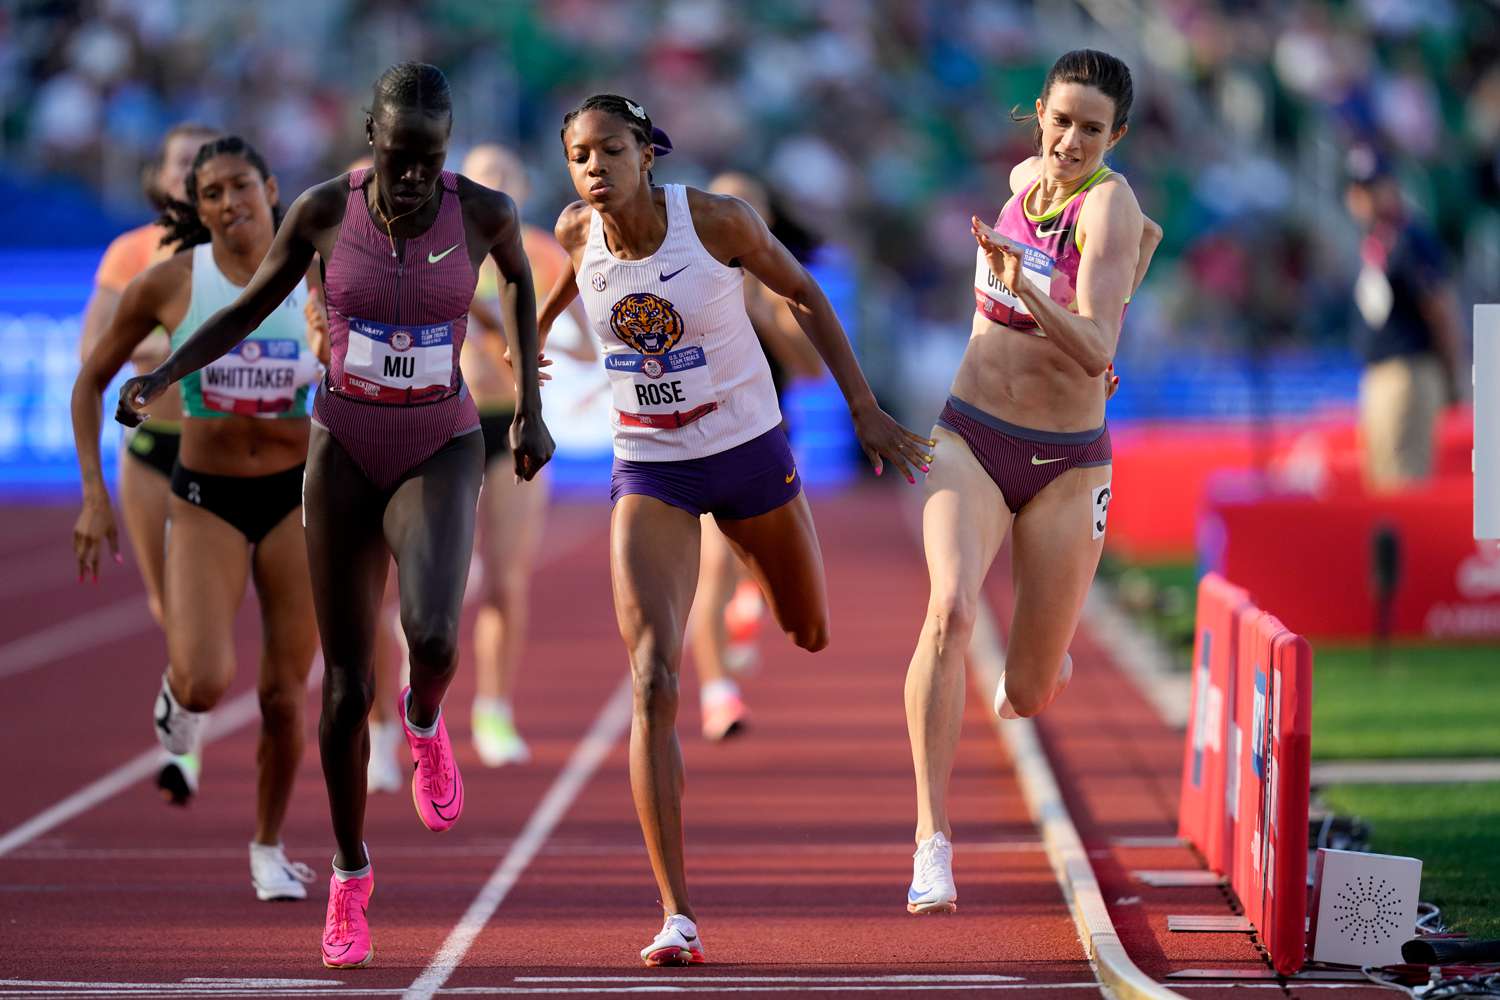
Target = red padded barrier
(1263,771)
(1204,810)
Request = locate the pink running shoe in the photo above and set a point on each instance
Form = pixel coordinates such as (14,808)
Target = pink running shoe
(346,932)
(437,789)
(724,717)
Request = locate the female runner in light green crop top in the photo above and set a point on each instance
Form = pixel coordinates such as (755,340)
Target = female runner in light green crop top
(236,490)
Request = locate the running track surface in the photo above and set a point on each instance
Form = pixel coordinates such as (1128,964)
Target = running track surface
(799,832)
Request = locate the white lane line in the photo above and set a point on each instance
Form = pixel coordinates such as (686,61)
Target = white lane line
(608,727)
(894,978)
(1118,977)
(688,984)
(1118,974)
(228,717)
(76,634)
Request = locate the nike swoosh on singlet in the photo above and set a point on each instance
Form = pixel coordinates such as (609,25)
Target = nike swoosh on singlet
(668,277)
(1044,461)
(1051,232)
(433,258)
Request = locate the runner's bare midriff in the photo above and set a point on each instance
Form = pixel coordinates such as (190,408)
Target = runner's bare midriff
(243,446)
(1026,380)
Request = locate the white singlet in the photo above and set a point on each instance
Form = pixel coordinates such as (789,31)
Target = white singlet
(687,373)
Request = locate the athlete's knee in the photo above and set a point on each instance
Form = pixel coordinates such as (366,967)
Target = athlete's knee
(655,685)
(433,643)
(950,617)
(1027,698)
(506,593)
(280,704)
(202,690)
(347,697)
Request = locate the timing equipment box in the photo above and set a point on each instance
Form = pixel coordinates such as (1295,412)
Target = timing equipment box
(1364,907)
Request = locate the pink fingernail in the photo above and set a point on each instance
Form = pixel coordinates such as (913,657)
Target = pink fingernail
(878,470)
(119,559)
(925,469)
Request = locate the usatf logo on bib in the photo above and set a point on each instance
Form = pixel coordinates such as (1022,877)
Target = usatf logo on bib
(648,323)
(397,364)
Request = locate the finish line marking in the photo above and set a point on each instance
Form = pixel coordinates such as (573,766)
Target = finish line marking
(642,984)
(610,724)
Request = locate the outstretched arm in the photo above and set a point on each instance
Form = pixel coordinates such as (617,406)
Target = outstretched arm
(733,230)
(284,266)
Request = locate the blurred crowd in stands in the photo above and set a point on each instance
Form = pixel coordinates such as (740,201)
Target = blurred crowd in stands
(883,123)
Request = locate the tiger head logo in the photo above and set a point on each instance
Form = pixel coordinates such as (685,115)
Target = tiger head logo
(648,323)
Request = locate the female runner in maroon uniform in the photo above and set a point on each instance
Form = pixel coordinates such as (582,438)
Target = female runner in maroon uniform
(1023,446)
(395,461)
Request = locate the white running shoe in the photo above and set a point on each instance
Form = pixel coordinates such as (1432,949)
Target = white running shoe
(178,777)
(932,889)
(677,944)
(384,773)
(179,730)
(274,876)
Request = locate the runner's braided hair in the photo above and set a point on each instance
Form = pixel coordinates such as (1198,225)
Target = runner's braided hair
(180,218)
(632,114)
(414,86)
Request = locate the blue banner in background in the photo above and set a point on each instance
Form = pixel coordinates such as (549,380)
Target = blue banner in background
(42,298)
(42,295)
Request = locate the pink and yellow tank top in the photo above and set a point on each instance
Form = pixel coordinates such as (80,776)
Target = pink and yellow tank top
(1052,249)
(396,324)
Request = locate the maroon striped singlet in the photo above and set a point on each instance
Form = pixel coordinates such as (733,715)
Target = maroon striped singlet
(394,395)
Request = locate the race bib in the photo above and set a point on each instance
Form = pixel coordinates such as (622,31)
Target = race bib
(393,364)
(661,390)
(257,378)
(998,303)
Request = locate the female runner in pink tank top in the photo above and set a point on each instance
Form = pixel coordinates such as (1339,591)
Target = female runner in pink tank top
(395,460)
(1022,443)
